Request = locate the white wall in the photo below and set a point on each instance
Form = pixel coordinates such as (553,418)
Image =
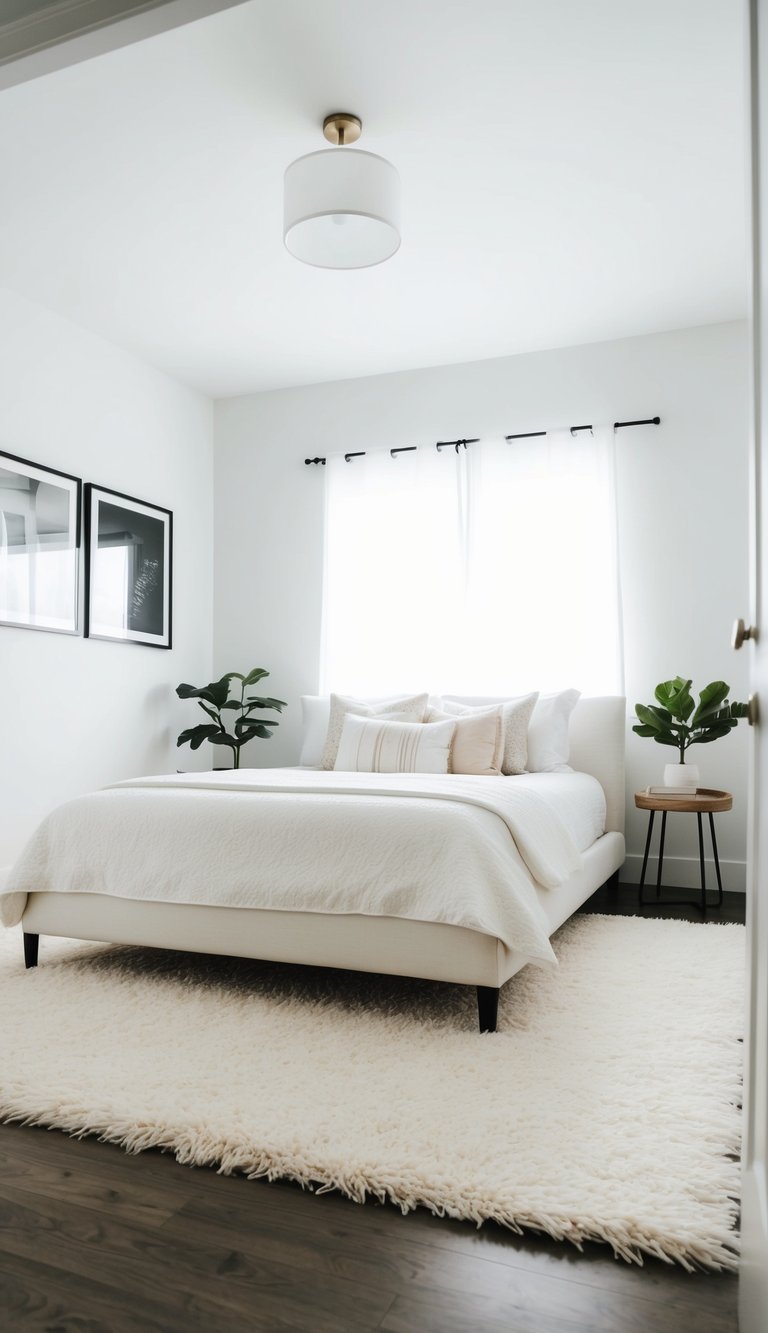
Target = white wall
(683,511)
(80,713)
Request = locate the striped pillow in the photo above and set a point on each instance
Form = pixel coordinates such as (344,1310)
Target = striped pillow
(370,745)
(410,708)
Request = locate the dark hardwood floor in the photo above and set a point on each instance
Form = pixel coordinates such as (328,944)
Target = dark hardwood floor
(93,1240)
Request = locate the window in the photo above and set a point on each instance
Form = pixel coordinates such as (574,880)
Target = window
(489,570)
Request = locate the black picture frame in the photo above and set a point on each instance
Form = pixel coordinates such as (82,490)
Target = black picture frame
(36,593)
(128,569)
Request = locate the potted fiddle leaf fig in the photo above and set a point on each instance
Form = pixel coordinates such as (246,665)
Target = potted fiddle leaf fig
(214,700)
(678,721)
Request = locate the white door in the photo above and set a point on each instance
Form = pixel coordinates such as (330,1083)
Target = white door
(753,1281)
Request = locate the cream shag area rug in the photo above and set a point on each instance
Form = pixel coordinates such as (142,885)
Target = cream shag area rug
(605,1108)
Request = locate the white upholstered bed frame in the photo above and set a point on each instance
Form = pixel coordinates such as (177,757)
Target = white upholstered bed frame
(435,951)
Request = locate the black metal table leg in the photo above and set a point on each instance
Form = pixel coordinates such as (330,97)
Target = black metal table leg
(645,857)
(701,865)
(661,853)
(717,859)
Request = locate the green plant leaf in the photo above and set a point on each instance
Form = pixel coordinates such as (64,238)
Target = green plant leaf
(244,723)
(208,710)
(222,738)
(196,735)
(253,701)
(650,718)
(713,733)
(738,710)
(234,675)
(257,673)
(662,713)
(667,721)
(215,693)
(675,695)
(247,733)
(710,699)
(667,740)
(232,704)
(643,730)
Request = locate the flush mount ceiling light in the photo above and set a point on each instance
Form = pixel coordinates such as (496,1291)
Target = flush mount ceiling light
(342,204)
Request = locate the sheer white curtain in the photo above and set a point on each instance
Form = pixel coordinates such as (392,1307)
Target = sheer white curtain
(394,570)
(489,571)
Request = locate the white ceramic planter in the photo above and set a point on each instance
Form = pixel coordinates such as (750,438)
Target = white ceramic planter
(681,775)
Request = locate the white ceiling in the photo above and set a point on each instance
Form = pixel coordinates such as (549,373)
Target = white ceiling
(571,172)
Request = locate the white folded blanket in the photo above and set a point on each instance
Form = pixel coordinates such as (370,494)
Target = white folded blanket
(461,850)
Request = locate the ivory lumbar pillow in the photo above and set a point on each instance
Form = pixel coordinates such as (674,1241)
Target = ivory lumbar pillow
(478,742)
(373,745)
(516,714)
(411,708)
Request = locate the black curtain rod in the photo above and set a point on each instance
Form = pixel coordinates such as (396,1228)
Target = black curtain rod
(457,444)
(617,425)
(647,421)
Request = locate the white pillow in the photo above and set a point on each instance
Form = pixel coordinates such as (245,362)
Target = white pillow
(516,714)
(315,710)
(372,745)
(478,741)
(411,708)
(549,745)
(548,741)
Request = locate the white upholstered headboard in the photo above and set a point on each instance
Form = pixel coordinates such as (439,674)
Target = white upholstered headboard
(597,733)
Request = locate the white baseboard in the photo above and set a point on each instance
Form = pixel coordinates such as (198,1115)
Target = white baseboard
(682,872)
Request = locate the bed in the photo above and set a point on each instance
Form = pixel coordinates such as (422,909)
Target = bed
(454,879)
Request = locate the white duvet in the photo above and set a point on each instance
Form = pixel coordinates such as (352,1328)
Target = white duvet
(461,850)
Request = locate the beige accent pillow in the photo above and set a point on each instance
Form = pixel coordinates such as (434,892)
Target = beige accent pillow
(516,714)
(410,708)
(372,745)
(478,742)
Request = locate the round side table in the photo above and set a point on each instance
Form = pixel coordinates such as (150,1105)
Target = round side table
(705,801)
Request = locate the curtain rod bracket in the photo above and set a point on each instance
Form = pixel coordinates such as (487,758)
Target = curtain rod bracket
(456,444)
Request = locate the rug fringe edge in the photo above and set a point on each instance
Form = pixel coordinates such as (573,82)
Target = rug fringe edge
(719,1254)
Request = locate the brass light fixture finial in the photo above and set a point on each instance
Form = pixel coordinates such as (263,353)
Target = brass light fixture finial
(341,128)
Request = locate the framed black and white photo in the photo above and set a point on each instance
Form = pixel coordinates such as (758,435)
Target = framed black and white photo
(39,543)
(128,571)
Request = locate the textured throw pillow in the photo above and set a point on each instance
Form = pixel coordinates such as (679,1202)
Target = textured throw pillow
(412,708)
(372,745)
(478,742)
(516,714)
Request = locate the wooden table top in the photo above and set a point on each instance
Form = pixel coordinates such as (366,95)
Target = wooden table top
(706,800)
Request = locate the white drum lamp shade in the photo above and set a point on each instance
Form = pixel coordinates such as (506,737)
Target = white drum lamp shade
(342,208)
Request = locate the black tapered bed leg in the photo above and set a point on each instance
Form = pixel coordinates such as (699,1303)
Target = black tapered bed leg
(487,1007)
(31,946)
